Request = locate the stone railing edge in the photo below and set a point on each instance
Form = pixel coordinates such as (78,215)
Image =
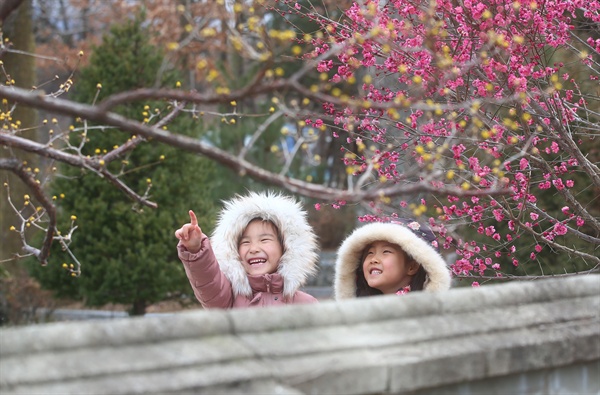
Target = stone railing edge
(205,323)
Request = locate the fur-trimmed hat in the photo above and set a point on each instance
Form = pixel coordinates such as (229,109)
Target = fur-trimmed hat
(299,258)
(414,238)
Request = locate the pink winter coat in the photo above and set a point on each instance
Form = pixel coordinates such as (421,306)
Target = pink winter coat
(216,272)
(214,290)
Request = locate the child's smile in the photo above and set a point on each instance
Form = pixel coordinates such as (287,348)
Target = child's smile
(256,261)
(259,248)
(386,267)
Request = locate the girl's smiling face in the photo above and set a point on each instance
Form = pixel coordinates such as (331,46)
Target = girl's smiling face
(259,248)
(387,268)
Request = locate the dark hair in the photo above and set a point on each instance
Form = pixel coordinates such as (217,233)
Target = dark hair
(418,281)
(279,235)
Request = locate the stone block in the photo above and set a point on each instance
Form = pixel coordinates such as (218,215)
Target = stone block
(524,337)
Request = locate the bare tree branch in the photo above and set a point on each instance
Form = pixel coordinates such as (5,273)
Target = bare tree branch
(73,160)
(20,170)
(7,7)
(242,166)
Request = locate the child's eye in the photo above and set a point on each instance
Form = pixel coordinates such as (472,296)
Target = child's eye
(387,251)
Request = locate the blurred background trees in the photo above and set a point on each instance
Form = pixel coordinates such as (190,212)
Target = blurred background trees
(478,118)
(128,251)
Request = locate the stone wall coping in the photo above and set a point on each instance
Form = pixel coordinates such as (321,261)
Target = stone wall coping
(385,344)
(329,313)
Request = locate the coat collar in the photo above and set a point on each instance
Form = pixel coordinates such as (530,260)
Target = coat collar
(269,283)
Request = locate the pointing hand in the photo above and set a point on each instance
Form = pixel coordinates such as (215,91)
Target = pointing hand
(190,234)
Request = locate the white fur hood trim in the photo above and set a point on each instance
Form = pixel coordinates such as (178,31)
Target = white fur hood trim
(350,252)
(299,259)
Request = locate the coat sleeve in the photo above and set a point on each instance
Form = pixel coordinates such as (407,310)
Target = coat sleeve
(211,287)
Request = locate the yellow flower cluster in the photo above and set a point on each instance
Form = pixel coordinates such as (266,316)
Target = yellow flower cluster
(282,35)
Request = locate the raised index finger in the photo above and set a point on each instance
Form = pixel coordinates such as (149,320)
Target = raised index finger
(193,219)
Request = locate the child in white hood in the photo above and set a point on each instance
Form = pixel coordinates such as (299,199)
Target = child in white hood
(261,252)
(394,257)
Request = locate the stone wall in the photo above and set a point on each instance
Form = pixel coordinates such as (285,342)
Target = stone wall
(527,338)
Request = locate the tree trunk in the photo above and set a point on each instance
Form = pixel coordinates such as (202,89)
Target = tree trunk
(18,28)
(138,308)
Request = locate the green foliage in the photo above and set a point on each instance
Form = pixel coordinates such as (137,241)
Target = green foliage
(128,252)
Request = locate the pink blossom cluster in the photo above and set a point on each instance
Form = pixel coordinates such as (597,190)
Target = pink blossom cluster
(463,95)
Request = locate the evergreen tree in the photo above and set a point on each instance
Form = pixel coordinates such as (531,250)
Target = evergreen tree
(127,252)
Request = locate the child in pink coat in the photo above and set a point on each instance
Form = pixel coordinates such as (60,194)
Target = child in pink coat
(260,254)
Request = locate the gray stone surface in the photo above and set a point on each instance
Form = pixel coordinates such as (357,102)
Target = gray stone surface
(532,337)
